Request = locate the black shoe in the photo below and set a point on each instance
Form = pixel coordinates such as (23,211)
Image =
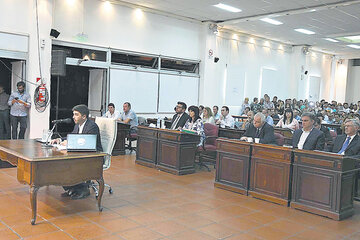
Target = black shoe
(66,194)
(80,195)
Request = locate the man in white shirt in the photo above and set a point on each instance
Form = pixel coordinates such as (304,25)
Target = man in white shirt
(308,138)
(112,113)
(226,120)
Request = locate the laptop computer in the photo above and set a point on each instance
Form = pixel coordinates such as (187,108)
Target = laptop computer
(81,142)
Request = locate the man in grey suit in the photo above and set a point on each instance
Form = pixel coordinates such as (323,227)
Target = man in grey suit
(309,137)
(348,143)
(260,129)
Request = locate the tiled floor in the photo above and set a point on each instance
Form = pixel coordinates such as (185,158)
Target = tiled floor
(149,204)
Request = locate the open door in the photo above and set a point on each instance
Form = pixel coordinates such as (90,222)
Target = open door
(97,83)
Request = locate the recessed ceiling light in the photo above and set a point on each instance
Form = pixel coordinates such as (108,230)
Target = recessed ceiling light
(353,37)
(227,8)
(301,30)
(354,46)
(271,21)
(331,40)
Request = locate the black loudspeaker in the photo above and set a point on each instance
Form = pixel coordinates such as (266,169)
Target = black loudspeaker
(216,59)
(58,63)
(54,33)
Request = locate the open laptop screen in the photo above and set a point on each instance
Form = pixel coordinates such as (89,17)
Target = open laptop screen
(81,142)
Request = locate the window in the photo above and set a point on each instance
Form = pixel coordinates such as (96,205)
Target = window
(80,53)
(134,60)
(179,65)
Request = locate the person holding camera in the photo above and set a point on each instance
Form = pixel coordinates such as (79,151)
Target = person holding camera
(19,103)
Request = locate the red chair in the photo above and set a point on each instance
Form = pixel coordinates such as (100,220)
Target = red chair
(280,139)
(207,151)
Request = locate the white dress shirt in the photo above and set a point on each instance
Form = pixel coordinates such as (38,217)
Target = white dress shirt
(115,115)
(227,121)
(303,138)
(81,127)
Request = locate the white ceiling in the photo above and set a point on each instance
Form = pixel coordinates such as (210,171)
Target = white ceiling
(332,19)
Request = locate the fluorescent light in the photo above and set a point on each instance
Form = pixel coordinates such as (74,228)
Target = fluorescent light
(227,8)
(331,40)
(354,46)
(301,30)
(353,37)
(271,21)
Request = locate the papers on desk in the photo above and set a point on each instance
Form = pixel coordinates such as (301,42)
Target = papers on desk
(59,147)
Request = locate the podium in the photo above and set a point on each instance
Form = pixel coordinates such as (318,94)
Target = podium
(323,183)
(232,165)
(270,173)
(168,150)
(122,132)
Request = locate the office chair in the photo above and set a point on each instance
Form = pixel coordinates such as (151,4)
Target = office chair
(279,138)
(207,151)
(108,133)
(132,136)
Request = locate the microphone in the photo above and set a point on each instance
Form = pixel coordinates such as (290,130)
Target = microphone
(66,120)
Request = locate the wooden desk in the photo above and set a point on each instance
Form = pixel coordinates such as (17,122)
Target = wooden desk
(231,133)
(122,132)
(176,151)
(270,173)
(323,184)
(38,166)
(147,143)
(232,165)
(154,121)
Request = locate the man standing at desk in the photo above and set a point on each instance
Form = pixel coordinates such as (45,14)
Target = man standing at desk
(180,118)
(83,125)
(260,129)
(226,120)
(309,137)
(19,103)
(129,117)
(112,113)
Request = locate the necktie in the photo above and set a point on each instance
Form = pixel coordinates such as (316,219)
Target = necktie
(345,145)
(257,135)
(175,122)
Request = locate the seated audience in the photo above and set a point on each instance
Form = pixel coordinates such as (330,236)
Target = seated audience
(269,119)
(208,116)
(247,109)
(180,118)
(348,143)
(296,114)
(325,130)
(248,121)
(112,113)
(226,120)
(129,117)
(244,105)
(216,113)
(201,110)
(267,103)
(194,123)
(255,106)
(260,129)
(308,138)
(288,121)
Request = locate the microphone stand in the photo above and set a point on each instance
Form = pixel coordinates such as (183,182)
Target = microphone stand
(49,136)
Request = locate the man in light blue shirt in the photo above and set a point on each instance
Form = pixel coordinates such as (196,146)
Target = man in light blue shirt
(269,119)
(19,103)
(129,117)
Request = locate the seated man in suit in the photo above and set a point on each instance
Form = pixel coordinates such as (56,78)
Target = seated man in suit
(83,125)
(225,120)
(309,137)
(180,118)
(260,129)
(348,143)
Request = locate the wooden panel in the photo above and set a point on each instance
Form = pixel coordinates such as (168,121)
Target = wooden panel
(122,133)
(231,133)
(168,154)
(146,151)
(24,171)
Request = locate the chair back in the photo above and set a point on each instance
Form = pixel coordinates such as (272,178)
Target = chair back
(279,139)
(211,130)
(333,134)
(108,133)
(141,121)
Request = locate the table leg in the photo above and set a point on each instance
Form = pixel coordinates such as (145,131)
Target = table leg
(33,194)
(101,191)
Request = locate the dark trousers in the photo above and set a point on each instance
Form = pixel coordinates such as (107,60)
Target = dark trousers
(78,187)
(4,124)
(14,126)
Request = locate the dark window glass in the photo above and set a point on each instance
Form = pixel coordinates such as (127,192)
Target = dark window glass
(74,52)
(134,60)
(179,65)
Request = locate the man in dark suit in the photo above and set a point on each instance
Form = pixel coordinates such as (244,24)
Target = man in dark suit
(180,118)
(83,125)
(348,143)
(309,137)
(260,129)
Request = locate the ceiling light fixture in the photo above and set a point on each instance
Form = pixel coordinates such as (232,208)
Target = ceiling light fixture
(271,21)
(353,38)
(354,46)
(227,8)
(331,40)
(305,31)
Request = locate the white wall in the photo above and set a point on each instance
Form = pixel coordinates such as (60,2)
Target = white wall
(353,83)
(122,27)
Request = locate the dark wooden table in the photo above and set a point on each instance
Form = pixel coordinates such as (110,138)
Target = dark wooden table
(38,166)
(323,183)
(122,132)
(147,143)
(270,173)
(231,133)
(232,165)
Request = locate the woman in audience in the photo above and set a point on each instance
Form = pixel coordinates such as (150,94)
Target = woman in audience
(208,116)
(248,121)
(288,121)
(255,106)
(244,105)
(261,104)
(194,123)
